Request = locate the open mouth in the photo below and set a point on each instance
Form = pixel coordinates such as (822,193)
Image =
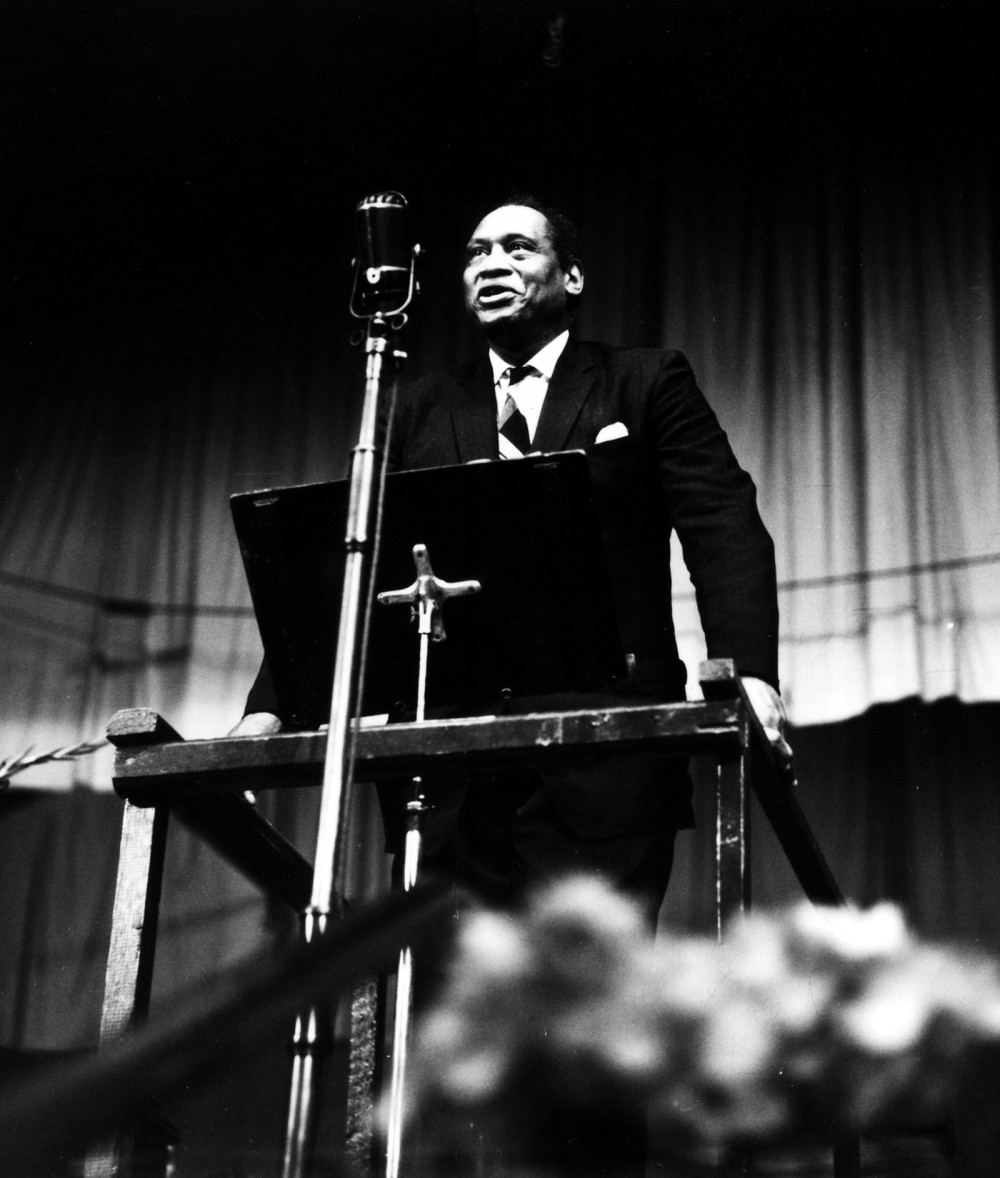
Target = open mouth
(495,296)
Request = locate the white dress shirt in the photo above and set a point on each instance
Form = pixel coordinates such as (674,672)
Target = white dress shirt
(529,392)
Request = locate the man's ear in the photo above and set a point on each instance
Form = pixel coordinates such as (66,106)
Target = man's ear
(574,279)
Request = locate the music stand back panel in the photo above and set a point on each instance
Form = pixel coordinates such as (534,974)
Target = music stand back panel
(544,621)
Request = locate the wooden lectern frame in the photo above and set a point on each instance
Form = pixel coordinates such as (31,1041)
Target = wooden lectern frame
(202,782)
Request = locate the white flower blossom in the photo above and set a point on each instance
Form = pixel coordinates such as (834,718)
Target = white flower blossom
(848,935)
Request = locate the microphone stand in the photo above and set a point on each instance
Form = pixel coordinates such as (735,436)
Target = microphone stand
(312,1037)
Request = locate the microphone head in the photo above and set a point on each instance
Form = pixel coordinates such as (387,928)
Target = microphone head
(385,255)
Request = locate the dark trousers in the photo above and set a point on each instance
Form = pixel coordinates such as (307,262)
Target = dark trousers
(508,839)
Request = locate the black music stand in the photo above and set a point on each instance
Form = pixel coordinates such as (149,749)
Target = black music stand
(544,621)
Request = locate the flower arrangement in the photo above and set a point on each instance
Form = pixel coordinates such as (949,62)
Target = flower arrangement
(803,1018)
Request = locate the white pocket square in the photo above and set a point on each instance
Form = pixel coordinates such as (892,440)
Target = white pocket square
(608,434)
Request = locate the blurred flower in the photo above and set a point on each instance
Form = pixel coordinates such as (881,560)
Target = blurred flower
(801,1014)
(845,935)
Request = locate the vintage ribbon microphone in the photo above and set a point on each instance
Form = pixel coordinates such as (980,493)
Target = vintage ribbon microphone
(384,285)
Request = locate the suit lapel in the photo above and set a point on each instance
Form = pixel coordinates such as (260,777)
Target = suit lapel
(474,412)
(474,408)
(571,383)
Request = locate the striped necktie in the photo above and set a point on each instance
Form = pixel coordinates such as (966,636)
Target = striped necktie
(511,422)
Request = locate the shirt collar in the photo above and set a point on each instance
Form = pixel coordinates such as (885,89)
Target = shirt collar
(544,359)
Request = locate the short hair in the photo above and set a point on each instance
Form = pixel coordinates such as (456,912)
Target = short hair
(565,236)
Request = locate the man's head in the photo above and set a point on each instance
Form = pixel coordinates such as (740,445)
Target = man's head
(522,277)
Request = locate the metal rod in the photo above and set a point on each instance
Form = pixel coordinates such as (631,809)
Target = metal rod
(422,678)
(404,970)
(427,594)
(404,993)
(310,1048)
(356,540)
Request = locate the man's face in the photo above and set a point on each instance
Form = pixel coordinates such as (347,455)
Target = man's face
(515,286)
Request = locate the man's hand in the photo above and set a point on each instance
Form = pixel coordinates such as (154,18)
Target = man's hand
(257,724)
(766,703)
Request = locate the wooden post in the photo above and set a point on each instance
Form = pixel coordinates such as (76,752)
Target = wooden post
(756,769)
(732,805)
(732,843)
(773,789)
(129,974)
(128,978)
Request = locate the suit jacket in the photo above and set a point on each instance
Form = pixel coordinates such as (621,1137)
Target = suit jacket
(674,471)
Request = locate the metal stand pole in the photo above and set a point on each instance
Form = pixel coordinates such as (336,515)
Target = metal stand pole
(404,993)
(335,776)
(311,1042)
(384,286)
(312,1033)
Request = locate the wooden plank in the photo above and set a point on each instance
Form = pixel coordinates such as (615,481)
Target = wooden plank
(797,839)
(362,1078)
(139,726)
(129,974)
(243,836)
(147,773)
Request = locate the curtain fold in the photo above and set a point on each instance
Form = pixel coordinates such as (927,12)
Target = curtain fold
(841,319)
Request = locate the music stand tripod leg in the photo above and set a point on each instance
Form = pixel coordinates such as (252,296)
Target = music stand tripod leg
(426,597)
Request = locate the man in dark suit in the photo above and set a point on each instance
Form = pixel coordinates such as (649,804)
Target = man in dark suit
(659,462)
